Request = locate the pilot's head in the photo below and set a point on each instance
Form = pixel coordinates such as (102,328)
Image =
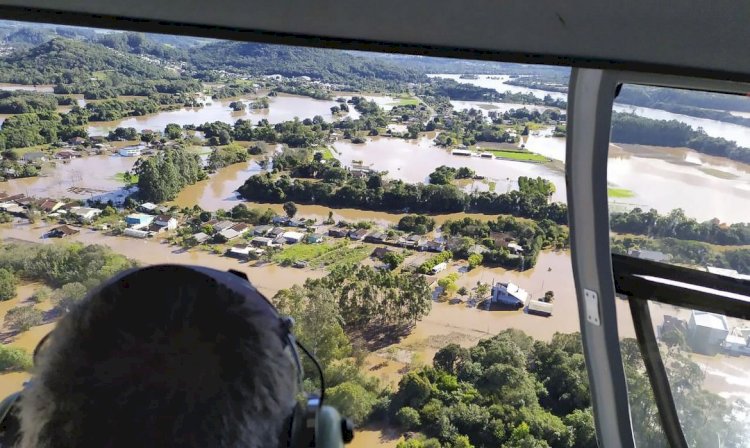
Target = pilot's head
(163,356)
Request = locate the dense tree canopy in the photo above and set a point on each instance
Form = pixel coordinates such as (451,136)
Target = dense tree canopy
(160,178)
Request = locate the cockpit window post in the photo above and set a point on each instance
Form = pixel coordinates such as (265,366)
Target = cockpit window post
(590,99)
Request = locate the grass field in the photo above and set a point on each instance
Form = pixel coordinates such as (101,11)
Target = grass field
(405,100)
(718,173)
(342,254)
(327,153)
(619,192)
(302,252)
(121,177)
(523,156)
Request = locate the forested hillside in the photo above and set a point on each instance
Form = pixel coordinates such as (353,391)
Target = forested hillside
(67,61)
(320,64)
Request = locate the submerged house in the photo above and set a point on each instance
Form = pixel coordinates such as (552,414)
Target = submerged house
(509,294)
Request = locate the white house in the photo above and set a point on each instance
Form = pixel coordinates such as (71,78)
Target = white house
(86,213)
(439,268)
(222,225)
(131,151)
(509,294)
(293,237)
(148,207)
(135,233)
(166,221)
(706,332)
(262,241)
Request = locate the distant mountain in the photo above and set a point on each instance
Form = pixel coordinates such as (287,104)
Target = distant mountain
(427,64)
(333,66)
(67,61)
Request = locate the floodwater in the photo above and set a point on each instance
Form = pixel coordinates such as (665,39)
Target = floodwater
(93,172)
(42,88)
(497,107)
(282,108)
(500,85)
(413,161)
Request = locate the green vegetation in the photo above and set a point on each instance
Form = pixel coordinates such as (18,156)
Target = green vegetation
(21,102)
(444,175)
(510,154)
(531,236)
(20,131)
(393,259)
(342,256)
(435,260)
(127,178)
(630,128)
(14,359)
(304,252)
(8,283)
(419,224)
(21,318)
(227,155)
(344,69)
(613,192)
(160,178)
(677,225)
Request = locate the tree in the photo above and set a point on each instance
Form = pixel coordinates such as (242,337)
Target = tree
(482,290)
(21,318)
(8,283)
(475,260)
(70,294)
(173,131)
(414,390)
(549,297)
(408,418)
(450,357)
(448,284)
(581,424)
(352,400)
(14,358)
(290,208)
(41,294)
(462,291)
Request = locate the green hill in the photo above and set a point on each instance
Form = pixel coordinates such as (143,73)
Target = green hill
(68,61)
(334,66)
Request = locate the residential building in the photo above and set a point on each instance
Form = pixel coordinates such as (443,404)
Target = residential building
(296,223)
(261,230)
(706,332)
(509,294)
(201,237)
(276,232)
(34,157)
(280,220)
(136,233)
(377,238)
(241,228)
(241,252)
(75,141)
(49,205)
(137,220)
(652,255)
(222,225)
(261,241)
(434,246)
(461,152)
(62,232)
(148,207)
(515,248)
(477,249)
(440,267)
(229,234)
(166,221)
(85,213)
(67,155)
(13,208)
(337,232)
(315,238)
(293,237)
(358,234)
(131,151)
(727,272)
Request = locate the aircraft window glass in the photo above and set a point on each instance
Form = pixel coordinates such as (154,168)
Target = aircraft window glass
(408,212)
(678,181)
